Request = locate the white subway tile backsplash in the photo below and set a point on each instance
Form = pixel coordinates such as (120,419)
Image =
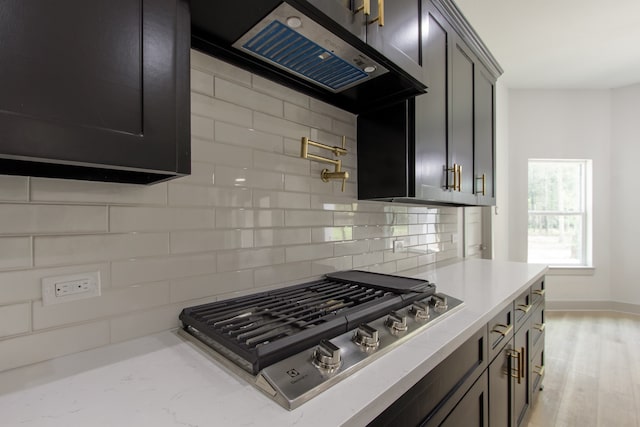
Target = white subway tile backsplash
(15,319)
(279,199)
(206,106)
(61,250)
(191,288)
(39,219)
(252,178)
(307,218)
(301,115)
(249,98)
(236,260)
(331,234)
(283,273)
(309,252)
(195,195)
(281,236)
(129,218)
(28,349)
(201,82)
(214,66)
(249,218)
(70,191)
(324,266)
(278,126)
(202,127)
(330,110)
(252,216)
(111,302)
(14,188)
(278,91)
(15,252)
(141,270)
(210,240)
(248,137)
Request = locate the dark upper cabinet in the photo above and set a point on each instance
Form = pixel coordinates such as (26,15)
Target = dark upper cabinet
(449,139)
(95,90)
(484,147)
(392,28)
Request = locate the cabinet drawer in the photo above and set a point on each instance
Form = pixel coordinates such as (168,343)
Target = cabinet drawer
(442,388)
(537,325)
(522,308)
(537,292)
(537,370)
(500,331)
(472,410)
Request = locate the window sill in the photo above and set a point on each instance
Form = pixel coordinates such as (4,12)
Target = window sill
(571,271)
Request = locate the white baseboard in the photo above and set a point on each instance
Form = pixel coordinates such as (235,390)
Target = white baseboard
(592,306)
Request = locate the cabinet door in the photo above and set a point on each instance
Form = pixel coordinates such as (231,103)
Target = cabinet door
(345,13)
(461,124)
(500,382)
(521,385)
(472,410)
(431,115)
(399,38)
(484,115)
(102,84)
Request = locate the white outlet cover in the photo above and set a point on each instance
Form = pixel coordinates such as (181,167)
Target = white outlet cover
(49,288)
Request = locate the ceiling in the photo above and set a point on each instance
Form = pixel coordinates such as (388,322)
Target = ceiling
(573,44)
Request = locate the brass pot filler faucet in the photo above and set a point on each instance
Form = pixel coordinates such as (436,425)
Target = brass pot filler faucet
(326,174)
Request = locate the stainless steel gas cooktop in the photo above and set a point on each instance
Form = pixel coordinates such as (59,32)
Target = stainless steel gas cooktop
(295,342)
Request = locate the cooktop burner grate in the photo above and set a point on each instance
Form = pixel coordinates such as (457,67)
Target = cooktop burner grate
(260,329)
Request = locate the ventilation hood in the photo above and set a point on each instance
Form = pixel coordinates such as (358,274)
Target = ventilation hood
(296,45)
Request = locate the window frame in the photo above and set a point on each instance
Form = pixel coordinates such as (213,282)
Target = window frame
(585,213)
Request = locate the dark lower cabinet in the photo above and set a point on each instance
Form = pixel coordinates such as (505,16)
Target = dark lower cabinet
(490,380)
(95,90)
(432,399)
(473,409)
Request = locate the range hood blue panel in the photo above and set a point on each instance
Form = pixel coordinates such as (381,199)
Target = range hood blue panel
(287,48)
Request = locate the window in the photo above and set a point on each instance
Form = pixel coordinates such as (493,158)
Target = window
(559,205)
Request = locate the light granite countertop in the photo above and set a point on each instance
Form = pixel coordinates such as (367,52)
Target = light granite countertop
(162,380)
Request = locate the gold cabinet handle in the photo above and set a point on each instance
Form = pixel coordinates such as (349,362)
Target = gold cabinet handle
(539,370)
(523,307)
(380,18)
(539,326)
(454,171)
(539,292)
(506,331)
(366,8)
(483,179)
(515,354)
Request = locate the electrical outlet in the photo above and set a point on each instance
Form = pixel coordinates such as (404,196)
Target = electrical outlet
(73,287)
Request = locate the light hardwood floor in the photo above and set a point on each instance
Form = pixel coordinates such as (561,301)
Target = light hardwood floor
(592,371)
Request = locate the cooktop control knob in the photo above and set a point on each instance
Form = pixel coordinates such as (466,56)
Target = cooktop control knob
(366,337)
(439,303)
(420,310)
(396,322)
(327,356)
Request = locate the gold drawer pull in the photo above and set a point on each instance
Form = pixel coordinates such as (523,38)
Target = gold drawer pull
(539,292)
(539,370)
(507,329)
(523,307)
(539,326)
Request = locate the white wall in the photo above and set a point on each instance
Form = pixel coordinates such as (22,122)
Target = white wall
(625,195)
(572,124)
(500,220)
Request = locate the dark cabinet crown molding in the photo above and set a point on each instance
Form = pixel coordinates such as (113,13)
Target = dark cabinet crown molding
(457,20)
